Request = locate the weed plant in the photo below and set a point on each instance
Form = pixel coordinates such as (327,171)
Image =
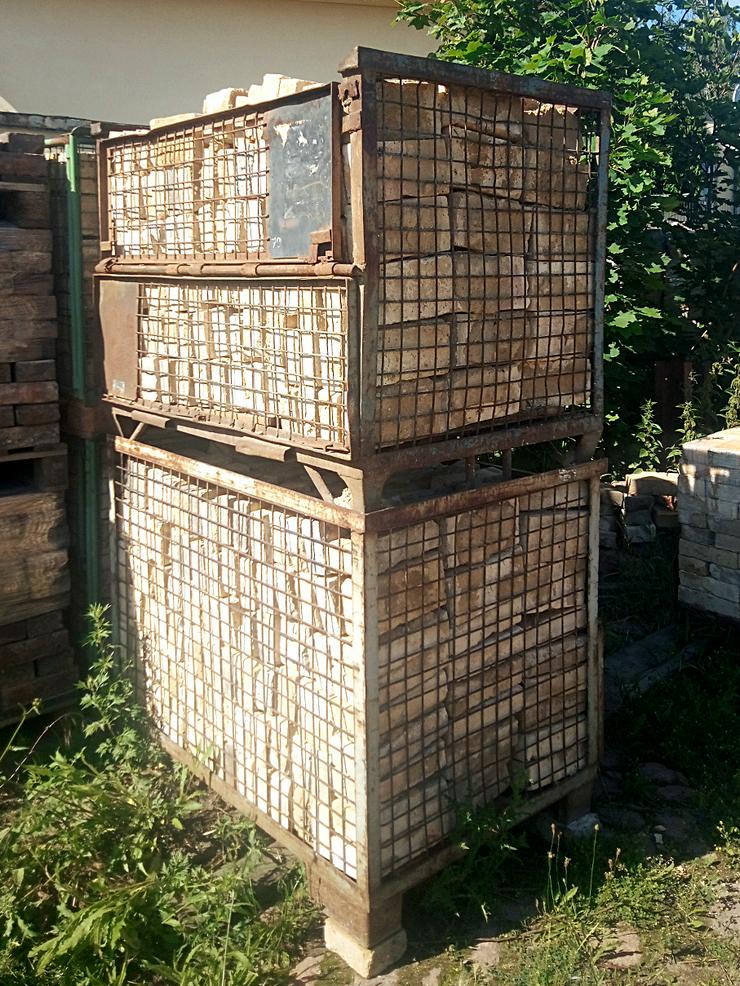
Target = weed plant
(117,868)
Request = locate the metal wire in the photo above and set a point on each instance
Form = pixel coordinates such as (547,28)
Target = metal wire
(482,660)
(253,354)
(236,613)
(486,241)
(198,191)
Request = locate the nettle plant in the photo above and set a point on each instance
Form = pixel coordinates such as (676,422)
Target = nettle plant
(673,283)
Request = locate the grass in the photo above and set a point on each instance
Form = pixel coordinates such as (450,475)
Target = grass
(577,898)
(116,867)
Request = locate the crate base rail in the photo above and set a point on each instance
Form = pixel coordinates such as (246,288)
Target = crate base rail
(366,482)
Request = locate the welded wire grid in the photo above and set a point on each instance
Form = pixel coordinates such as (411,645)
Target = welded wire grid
(197,191)
(482,660)
(486,231)
(237,613)
(253,354)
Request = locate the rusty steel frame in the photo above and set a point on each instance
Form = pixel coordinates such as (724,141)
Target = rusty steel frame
(369,906)
(365,461)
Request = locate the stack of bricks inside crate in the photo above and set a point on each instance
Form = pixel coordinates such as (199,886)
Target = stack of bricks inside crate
(317,313)
(709,512)
(35,656)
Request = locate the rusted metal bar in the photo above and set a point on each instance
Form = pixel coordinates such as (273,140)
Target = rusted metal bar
(375,61)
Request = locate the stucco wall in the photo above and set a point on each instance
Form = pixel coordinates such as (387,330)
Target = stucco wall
(129,60)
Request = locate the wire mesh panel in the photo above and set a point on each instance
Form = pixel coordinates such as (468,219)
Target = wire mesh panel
(483,658)
(244,184)
(233,609)
(486,233)
(251,354)
(263,633)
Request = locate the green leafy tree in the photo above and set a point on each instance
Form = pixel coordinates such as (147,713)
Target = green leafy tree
(673,284)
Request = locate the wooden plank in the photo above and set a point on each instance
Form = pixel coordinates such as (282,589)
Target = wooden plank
(28,436)
(31,347)
(26,307)
(51,686)
(27,210)
(32,240)
(26,282)
(26,371)
(23,652)
(23,259)
(30,392)
(37,414)
(22,186)
(23,165)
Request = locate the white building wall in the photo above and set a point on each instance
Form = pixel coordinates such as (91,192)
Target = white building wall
(130,60)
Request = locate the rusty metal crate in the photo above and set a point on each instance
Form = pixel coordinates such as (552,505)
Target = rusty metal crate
(248,184)
(350,678)
(467,243)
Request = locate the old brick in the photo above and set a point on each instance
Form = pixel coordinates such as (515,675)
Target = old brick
(729,575)
(693,566)
(703,600)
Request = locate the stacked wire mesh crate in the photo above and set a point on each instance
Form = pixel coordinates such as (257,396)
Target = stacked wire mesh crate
(322,309)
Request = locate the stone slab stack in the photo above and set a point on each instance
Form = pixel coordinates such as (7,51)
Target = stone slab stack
(709,512)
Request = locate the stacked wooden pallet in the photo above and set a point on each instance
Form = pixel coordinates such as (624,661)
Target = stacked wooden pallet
(29,409)
(709,512)
(35,657)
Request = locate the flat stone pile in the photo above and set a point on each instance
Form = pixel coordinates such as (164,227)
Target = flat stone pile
(709,512)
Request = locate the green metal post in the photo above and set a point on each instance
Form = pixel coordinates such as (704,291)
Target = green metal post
(74,235)
(90,530)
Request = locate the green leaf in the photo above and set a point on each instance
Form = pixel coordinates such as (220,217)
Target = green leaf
(624,319)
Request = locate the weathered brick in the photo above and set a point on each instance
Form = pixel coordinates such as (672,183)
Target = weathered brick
(693,566)
(703,600)
(716,588)
(729,575)
(698,535)
(708,552)
(728,541)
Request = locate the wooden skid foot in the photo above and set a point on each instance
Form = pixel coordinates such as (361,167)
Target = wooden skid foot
(367,961)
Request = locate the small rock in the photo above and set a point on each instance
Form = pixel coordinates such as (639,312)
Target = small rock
(676,794)
(486,954)
(656,773)
(583,827)
(433,977)
(622,819)
(724,914)
(625,950)
(390,979)
(307,972)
